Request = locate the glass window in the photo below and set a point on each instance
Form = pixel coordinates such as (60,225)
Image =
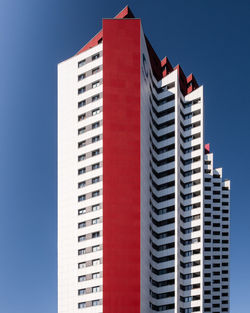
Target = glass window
(95,166)
(81,251)
(81,103)
(95,248)
(96,193)
(96,97)
(95,152)
(82,265)
(95,125)
(81,292)
(81,225)
(95,180)
(96,111)
(96,84)
(96,262)
(81,305)
(95,207)
(81,171)
(81,130)
(81,198)
(95,70)
(95,302)
(81,211)
(81,63)
(82,144)
(95,221)
(96,138)
(96,289)
(82,238)
(96,56)
(81,90)
(96,275)
(81,77)
(81,117)
(81,278)
(96,234)
(81,184)
(81,157)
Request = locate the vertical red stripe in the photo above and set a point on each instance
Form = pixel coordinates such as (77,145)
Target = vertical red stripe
(121,166)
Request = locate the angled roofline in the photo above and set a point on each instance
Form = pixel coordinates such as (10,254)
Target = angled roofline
(160,68)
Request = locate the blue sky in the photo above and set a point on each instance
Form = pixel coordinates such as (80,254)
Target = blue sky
(208,38)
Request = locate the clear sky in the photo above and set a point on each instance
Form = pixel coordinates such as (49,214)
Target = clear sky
(209,38)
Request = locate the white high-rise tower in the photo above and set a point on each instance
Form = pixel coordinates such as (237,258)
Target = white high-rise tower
(143,216)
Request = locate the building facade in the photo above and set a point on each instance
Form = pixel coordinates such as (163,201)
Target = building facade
(143,216)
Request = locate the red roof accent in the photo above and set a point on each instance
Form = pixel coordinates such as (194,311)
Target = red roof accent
(187,84)
(93,42)
(166,67)
(207,148)
(191,83)
(160,68)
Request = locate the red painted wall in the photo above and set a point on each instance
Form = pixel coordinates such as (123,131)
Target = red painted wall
(121,166)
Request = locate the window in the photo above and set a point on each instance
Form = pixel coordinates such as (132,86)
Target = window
(81,211)
(96,138)
(96,262)
(96,56)
(187,116)
(81,198)
(81,76)
(81,130)
(96,234)
(81,103)
(82,278)
(81,184)
(96,275)
(96,84)
(81,117)
(95,166)
(95,125)
(81,225)
(95,207)
(81,157)
(187,139)
(82,238)
(96,97)
(82,144)
(81,305)
(187,299)
(81,292)
(81,63)
(81,251)
(95,193)
(82,265)
(95,221)
(95,302)
(96,111)
(96,289)
(95,152)
(81,90)
(187,208)
(95,248)
(95,70)
(81,171)
(95,180)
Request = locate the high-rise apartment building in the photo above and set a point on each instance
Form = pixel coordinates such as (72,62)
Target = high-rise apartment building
(143,216)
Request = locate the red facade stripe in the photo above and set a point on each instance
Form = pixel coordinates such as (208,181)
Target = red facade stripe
(121,166)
